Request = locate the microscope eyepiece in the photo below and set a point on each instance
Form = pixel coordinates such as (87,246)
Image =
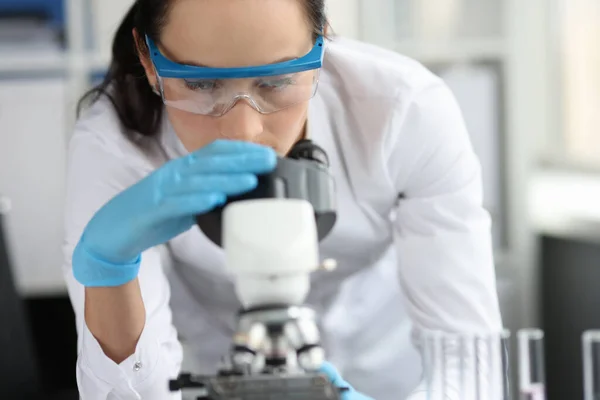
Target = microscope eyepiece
(306,149)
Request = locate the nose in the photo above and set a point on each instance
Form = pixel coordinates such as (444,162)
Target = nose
(242,122)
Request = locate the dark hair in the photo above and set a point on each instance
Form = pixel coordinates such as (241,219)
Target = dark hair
(139,109)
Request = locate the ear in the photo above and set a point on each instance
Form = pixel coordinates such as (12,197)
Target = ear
(327,29)
(144,57)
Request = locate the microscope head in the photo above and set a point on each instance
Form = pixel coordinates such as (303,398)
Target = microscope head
(271,234)
(302,175)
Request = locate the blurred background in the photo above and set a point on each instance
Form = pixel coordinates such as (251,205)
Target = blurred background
(526,74)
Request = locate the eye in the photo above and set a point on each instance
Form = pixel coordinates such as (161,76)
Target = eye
(276,83)
(207,85)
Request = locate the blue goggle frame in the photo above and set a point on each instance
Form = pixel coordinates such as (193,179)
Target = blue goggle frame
(166,68)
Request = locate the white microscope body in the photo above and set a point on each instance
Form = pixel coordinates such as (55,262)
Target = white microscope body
(272,247)
(271,237)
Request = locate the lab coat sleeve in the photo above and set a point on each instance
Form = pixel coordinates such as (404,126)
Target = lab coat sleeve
(97,172)
(442,231)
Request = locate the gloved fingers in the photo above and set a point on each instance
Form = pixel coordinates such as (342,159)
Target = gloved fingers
(227,184)
(228,156)
(226,146)
(190,204)
(354,395)
(256,162)
(334,376)
(348,392)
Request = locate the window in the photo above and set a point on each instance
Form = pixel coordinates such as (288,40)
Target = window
(579,80)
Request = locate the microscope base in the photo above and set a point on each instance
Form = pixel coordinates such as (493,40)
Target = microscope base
(265,387)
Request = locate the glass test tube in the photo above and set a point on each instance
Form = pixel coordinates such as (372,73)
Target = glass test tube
(591,364)
(532,379)
(467,367)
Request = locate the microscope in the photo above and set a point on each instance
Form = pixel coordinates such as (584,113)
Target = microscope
(270,237)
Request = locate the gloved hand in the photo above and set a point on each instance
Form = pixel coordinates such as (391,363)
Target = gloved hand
(334,376)
(163,205)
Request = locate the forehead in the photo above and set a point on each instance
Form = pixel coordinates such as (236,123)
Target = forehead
(231,33)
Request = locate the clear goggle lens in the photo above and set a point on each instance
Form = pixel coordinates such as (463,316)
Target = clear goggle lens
(217,96)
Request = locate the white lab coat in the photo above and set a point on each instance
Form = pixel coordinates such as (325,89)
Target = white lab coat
(412,240)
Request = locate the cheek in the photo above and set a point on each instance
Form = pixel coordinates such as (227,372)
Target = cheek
(281,129)
(194,131)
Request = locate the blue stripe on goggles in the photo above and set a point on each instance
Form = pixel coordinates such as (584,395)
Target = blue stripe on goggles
(166,68)
(214,91)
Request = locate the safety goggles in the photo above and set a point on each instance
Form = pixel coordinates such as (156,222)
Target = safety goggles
(214,91)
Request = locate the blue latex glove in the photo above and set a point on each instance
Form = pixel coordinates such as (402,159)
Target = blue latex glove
(335,378)
(163,205)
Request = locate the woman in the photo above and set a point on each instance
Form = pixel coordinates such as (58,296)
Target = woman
(190,114)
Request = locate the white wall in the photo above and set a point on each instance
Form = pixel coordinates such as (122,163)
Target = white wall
(344,17)
(32,168)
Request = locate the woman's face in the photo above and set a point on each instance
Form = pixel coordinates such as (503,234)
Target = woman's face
(235,33)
